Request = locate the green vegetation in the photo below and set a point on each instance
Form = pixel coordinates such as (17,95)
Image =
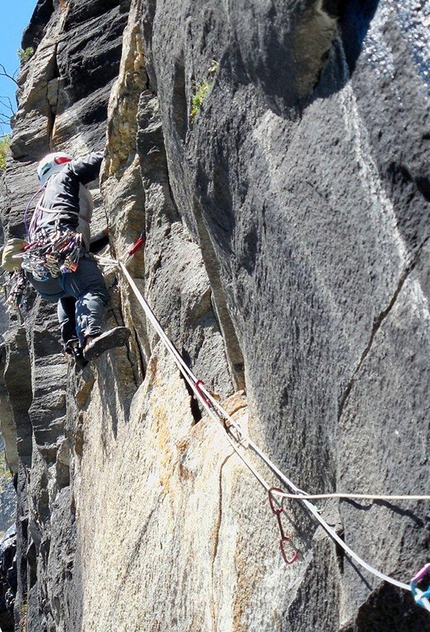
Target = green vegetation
(199,96)
(24,55)
(5,474)
(4,148)
(202,90)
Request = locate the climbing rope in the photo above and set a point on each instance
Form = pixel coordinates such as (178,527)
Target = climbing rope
(27,210)
(240,441)
(340,495)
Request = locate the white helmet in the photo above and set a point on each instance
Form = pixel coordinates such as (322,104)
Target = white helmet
(52,163)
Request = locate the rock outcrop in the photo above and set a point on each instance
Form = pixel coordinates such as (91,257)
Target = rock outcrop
(276,156)
(8,578)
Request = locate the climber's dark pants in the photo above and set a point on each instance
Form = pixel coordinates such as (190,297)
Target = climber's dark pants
(82,297)
(66,310)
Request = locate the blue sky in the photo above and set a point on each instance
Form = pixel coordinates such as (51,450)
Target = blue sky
(14,17)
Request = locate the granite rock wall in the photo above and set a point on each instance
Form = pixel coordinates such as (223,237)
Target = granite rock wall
(276,156)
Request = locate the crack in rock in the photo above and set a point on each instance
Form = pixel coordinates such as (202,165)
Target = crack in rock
(377,325)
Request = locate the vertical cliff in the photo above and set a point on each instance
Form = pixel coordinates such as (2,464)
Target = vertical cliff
(276,156)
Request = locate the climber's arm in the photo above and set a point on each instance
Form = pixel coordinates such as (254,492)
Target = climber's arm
(87,168)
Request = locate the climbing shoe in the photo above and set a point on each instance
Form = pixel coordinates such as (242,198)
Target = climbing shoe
(116,337)
(73,349)
(70,346)
(80,362)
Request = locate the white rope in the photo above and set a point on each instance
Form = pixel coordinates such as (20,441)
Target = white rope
(186,371)
(301,495)
(211,404)
(189,376)
(350,496)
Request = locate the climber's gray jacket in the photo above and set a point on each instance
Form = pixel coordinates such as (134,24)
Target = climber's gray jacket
(66,199)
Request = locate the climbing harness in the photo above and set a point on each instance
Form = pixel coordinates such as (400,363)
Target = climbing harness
(52,253)
(55,250)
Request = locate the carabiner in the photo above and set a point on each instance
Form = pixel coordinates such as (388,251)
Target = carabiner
(272,500)
(284,538)
(282,542)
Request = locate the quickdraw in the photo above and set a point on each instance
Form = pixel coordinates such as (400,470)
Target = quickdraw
(285,540)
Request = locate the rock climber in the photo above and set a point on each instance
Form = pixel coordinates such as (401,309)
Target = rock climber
(57,258)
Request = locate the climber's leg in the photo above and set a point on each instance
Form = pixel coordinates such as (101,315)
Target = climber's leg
(66,317)
(88,287)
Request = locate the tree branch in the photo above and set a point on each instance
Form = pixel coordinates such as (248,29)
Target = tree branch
(4,73)
(6,103)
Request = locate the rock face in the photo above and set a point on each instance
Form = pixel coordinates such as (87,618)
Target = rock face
(8,578)
(276,156)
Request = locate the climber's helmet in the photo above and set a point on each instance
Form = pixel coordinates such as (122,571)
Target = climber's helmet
(52,163)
